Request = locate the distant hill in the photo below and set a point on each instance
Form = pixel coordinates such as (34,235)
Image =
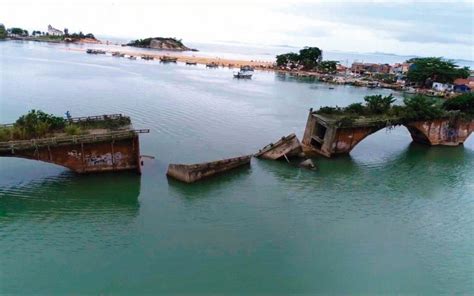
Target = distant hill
(160,43)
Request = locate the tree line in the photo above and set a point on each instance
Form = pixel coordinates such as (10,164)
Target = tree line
(308,58)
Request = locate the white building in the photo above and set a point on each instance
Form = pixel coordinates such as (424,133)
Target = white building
(438,86)
(54,31)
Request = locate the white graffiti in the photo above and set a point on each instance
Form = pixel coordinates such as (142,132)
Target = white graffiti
(103,159)
(74,154)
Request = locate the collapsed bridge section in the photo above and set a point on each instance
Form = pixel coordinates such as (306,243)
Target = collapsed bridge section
(107,143)
(331,135)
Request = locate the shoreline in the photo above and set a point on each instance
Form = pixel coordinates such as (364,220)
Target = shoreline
(333,79)
(223,62)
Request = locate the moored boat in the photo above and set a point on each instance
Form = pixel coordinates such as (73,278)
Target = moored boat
(190,173)
(167,59)
(95,51)
(243,75)
(118,54)
(148,58)
(212,65)
(191,63)
(246,68)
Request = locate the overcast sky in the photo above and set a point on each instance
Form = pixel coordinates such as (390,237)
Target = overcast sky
(402,27)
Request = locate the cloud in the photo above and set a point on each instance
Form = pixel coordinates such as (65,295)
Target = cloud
(404,27)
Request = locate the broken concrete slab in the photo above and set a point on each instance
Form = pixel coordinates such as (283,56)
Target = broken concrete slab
(190,173)
(286,147)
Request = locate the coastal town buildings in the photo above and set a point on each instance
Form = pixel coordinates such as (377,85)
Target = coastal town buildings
(464,85)
(438,86)
(400,68)
(365,68)
(54,32)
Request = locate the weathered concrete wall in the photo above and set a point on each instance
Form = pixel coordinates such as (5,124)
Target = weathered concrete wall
(194,172)
(441,131)
(112,155)
(288,146)
(335,141)
(328,138)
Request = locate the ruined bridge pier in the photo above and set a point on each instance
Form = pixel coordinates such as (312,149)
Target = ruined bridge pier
(327,136)
(113,151)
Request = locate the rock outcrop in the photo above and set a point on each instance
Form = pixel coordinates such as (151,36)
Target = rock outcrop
(161,44)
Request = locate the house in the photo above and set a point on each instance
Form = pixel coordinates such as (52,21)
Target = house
(438,86)
(340,68)
(362,68)
(358,68)
(400,68)
(54,32)
(464,85)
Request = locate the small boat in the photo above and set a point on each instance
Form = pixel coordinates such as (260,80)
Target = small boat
(372,84)
(95,51)
(191,63)
(190,173)
(243,75)
(118,54)
(148,58)
(132,57)
(331,87)
(167,59)
(286,147)
(212,65)
(246,68)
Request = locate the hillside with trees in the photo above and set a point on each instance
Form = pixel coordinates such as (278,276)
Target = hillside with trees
(160,43)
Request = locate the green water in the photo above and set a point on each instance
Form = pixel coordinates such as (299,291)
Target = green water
(393,217)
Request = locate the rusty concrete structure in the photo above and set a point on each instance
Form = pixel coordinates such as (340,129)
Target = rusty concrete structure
(97,152)
(190,173)
(328,136)
(286,147)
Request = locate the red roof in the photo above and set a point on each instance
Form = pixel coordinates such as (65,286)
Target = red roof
(461,81)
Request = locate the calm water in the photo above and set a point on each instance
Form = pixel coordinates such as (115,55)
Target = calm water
(393,217)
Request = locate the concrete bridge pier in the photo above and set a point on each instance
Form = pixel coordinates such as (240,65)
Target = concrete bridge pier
(328,135)
(440,131)
(114,151)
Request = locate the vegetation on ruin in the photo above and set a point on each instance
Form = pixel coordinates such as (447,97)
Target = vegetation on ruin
(414,108)
(464,103)
(38,124)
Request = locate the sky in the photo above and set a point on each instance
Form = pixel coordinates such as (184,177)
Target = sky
(442,28)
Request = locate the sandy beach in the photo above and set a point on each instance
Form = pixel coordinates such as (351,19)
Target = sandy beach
(184,57)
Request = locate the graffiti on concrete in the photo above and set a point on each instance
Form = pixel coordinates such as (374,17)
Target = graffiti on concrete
(103,159)
(451,133)
(74,154)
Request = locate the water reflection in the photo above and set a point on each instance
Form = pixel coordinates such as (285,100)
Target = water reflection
(72,195)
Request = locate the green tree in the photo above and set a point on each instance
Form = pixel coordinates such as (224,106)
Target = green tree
(36,124)
(310,57)
(287,58)
(421,107)
(424,71)
(3,32)
(378,104)
(16,31)
(463,103)
(327,66)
